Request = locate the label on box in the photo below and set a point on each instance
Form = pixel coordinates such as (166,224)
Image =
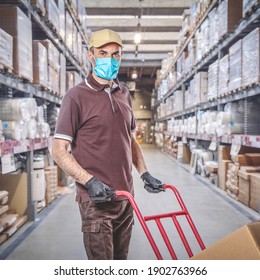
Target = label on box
(235,148)
(213,146)
(184,140)
(7,163)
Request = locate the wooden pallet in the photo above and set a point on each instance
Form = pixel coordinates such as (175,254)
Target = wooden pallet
(6,69)
(252,9)
(38,8)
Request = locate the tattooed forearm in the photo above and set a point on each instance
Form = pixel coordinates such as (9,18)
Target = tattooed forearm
(67,162)
(137,157)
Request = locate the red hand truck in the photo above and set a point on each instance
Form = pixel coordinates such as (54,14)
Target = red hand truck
(157,219)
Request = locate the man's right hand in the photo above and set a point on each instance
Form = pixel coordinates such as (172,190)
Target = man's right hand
(98,191)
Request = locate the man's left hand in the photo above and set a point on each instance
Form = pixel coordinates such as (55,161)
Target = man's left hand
(151,184)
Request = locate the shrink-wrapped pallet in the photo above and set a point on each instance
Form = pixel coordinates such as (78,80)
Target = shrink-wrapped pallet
(235,66)
(53,79)
(201,87)
(223,77)
(52,14)
(40,66)
(205,31)
(213,27)
(213,80)
(19,26)
(230,13)
(6,49)
(69,31)
(62,30)
(251,58)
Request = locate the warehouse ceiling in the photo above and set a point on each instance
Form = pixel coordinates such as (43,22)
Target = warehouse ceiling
(159,23)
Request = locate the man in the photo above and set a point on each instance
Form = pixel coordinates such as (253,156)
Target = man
(97,121)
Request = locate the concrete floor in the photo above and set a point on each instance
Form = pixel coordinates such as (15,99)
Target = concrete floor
(56,234)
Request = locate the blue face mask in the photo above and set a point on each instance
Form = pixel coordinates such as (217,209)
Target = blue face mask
(107,68)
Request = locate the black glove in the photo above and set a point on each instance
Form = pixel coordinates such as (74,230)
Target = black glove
(98,191)
(152,184)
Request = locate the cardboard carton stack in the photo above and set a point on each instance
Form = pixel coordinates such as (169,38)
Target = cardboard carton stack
(224,159)
(40,65)
(51,176)
(19,26)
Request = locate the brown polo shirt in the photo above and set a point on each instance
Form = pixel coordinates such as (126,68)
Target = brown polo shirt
(99,121)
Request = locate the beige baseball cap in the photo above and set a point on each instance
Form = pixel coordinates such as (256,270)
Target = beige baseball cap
(103,37)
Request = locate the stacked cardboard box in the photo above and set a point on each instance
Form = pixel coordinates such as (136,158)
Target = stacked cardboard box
(244,176)
(230,13)
(51,176)
(224,159)
(184,153)
(53,66)
(19,26)
(40,65)
(254,202)
(52,14)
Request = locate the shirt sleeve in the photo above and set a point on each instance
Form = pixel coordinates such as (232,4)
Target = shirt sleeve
(68,119)
(133,121)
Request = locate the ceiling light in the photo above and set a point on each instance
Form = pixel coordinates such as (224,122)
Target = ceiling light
(134,75)
(137,38)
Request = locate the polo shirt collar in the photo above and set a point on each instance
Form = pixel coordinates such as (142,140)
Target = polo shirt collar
(92,83)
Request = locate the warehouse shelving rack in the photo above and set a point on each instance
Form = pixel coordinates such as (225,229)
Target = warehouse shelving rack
(13,86)
(246,25)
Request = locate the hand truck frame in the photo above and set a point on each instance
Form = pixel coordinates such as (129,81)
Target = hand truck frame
(157,218)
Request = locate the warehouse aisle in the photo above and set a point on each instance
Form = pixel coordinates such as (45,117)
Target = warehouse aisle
(56,233)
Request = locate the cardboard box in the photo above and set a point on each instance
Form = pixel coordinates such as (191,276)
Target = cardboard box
(243,244)
(18,191)
(18,25)
(253,159)
(255,191)
(40,65)
(244,187)
(222,173)
(230,13)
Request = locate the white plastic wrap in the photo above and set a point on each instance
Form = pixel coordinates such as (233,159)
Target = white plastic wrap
(178,101)
(251,58)
(6,49)
(38,185)
(15,130)
(213,28)
(213,80)
(17,109)
(223,75)
(235,66)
